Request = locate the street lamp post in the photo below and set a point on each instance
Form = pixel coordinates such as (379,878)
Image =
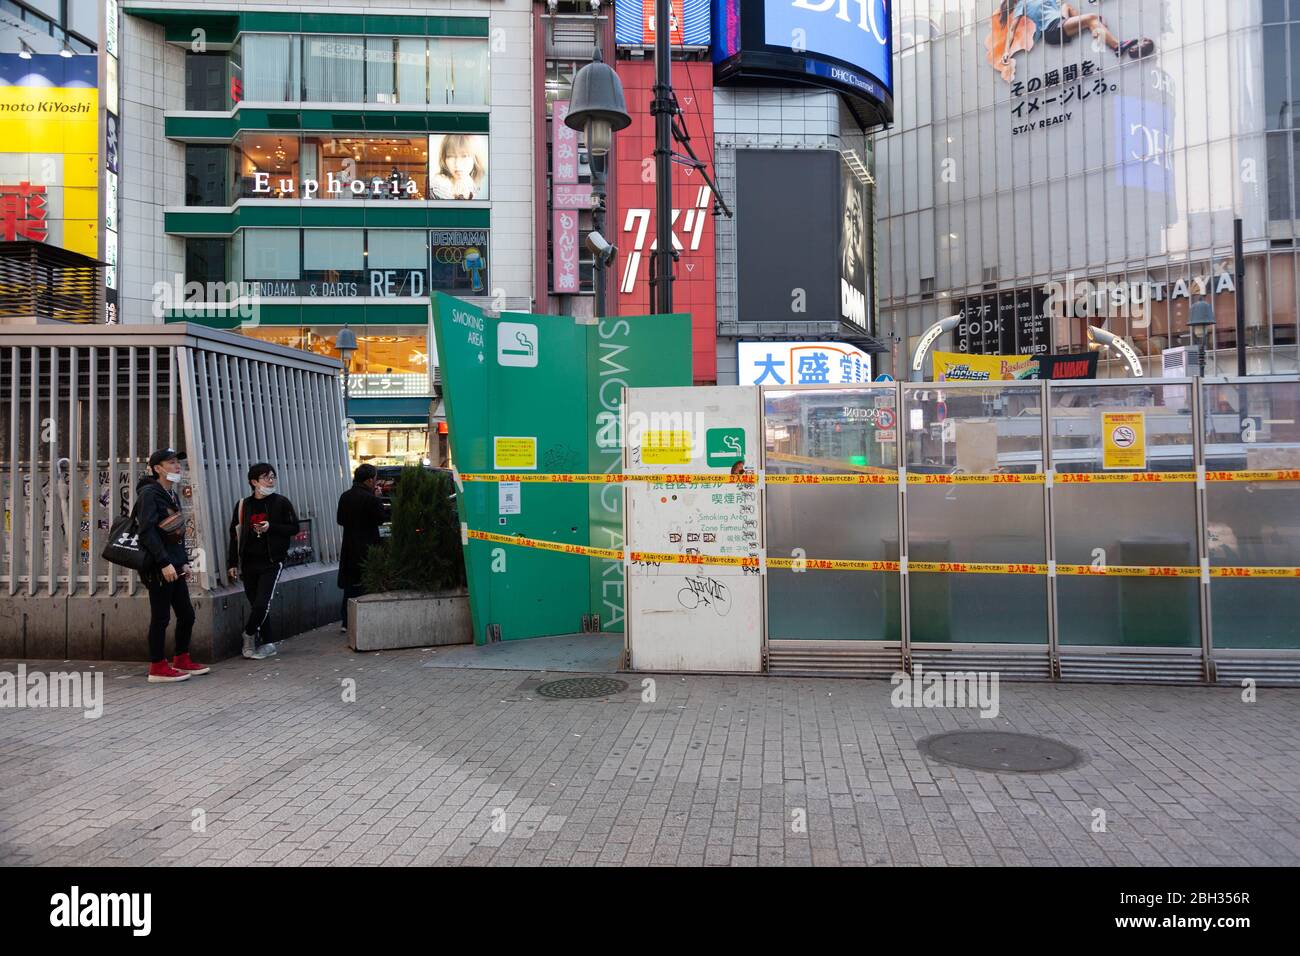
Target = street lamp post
(1199,321)
(597,109)
(345,343)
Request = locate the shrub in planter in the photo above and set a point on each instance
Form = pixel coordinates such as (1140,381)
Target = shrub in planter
(423,553)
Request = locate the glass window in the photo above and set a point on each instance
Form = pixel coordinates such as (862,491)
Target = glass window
(205,260)
(333,69)
(390,361)
(268,165)
(1280,172)
(412,70)
(361,167)
(335,257)
(271,254)
(396,249)
(339,250)
(381,86)
(458,71)
(205,81)
(205,175)
(271,68)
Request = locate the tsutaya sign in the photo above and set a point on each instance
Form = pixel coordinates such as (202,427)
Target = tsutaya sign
(376,186)
(1084,297)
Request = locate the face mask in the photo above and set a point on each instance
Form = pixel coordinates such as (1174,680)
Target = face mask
(263,491)
(173,476)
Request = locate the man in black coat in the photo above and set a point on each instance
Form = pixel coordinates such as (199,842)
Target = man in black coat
(162,533)
(360,514)
(261,528)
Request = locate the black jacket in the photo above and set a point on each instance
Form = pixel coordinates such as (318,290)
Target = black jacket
(160,506)
(360,514)
(263,551)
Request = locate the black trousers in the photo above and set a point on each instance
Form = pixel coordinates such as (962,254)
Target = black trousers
(259,588)
(349,592)
(166,597)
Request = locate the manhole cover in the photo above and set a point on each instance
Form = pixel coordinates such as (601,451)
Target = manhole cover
(578,687)
(999,751)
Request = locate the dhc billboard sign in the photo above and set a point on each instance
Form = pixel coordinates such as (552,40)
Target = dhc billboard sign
(843,45)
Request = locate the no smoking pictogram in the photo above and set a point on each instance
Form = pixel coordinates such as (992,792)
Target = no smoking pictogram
(1123,436)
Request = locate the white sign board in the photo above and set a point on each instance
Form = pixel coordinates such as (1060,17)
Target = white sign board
(802,363)
(686,616)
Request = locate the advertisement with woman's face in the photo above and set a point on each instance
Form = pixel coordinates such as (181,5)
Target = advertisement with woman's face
(458,166)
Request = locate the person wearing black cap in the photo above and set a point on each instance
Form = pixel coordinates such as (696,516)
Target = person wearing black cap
(360,513)
(261,528)
(162,533)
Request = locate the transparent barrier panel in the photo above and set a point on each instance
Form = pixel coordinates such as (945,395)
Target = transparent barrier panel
(1253,427)
(964,432)
(1143,431)
(840,432)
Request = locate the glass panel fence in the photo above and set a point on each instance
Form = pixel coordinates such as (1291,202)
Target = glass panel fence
(1124,515)
(832,431)
(1252,502)
(975,498)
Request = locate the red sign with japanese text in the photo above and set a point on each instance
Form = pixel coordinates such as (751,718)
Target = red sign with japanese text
(23,211)
(692,219)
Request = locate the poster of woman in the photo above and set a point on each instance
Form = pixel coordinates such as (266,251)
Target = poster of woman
(458,166)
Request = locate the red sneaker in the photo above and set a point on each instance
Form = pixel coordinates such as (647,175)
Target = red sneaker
(183,663)
(163,673)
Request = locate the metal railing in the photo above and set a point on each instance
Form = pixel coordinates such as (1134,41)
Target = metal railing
(84,407)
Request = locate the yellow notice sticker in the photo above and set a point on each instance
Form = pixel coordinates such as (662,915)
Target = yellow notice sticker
(514,452)
(1123,440)
(666,448)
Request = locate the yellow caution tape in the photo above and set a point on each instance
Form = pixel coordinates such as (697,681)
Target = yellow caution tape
(1127,571)
(951,567)
(1276,475)
(827,564)
(836,564)
(656,557)
(607,479)
(1129,477)
(997,479)
(1255,572)
(856,479)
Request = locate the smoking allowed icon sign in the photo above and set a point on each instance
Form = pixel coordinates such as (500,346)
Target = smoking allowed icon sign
(517,344)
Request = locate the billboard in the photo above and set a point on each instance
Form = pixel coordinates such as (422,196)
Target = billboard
(688,22)
(49,151)
(841,45)
(788,224)
(801,363)
(855,273)
(692,216)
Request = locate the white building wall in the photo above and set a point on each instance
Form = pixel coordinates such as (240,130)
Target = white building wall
(152,176)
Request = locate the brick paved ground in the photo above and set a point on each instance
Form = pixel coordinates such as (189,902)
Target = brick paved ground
(418,768)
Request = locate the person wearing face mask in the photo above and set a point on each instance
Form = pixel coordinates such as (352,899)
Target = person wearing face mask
(261,528)
(162,533)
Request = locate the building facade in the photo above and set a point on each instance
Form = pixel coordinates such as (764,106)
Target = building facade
(1083,164)
(294,169)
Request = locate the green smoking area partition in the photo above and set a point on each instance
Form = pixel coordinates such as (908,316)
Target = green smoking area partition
(539,395)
